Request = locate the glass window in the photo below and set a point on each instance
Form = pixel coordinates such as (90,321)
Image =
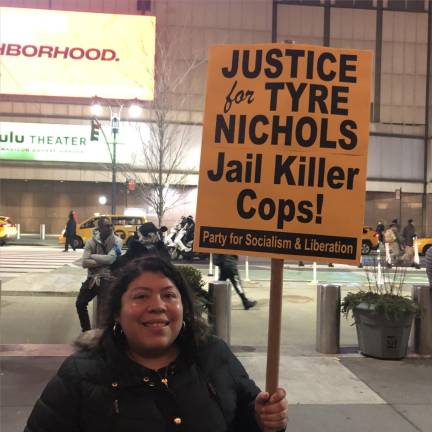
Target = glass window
(301,24)
(403,73)
(351,28)
(91,223)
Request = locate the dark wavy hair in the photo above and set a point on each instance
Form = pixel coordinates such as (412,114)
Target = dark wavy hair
(195,330)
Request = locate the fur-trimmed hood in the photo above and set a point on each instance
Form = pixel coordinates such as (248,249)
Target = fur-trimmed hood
(88,340)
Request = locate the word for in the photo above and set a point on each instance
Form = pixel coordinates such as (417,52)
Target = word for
(74,53)
(319,99)
(324,66)
(220,239)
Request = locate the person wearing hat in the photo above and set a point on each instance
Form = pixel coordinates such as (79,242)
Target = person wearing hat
(146,241)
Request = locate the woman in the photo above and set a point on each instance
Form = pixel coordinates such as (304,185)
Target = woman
(154,369)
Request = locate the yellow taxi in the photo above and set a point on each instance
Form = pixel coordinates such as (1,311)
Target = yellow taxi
(123,226)
(423,244)
(369,240)
(8,230)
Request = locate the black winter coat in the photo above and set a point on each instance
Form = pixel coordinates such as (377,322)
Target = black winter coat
(70,230)
(103,390)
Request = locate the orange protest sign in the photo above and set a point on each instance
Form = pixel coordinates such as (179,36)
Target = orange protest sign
(283,160)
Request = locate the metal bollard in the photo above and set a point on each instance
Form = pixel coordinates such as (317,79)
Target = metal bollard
(210,271)
(422,337)
(42,231)
(416,252)
(18,231)
(247,269)
(216,273)
(220,309)
(328,319)
(314,274)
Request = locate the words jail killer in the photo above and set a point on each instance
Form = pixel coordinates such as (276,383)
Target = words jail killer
(292,170)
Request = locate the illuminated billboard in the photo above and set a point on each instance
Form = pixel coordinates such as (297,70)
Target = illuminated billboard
(55,142)
(65,143)
(76,54)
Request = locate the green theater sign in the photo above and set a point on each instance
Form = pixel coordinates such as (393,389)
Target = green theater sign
(63,143)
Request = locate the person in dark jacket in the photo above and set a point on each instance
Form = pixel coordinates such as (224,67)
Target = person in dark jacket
(147,240)
(100,252)
(154,369)
(70,232)
(380,228)
(228,270)
(409,233)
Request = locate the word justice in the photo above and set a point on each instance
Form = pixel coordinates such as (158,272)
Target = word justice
(325,66)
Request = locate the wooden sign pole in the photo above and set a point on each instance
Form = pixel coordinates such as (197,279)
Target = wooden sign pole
(274,325)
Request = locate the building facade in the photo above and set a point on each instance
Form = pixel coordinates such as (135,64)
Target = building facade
(399,33)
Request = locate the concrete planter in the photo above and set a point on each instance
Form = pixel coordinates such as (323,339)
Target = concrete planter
(380,337)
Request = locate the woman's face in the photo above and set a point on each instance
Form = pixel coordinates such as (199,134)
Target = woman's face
(151,314)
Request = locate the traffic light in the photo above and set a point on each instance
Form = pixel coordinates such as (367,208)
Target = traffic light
(95,127)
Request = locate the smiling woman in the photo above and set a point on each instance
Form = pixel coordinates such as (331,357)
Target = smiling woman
(155,368)
(151,316)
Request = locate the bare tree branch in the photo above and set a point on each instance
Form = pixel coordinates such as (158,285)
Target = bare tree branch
(164,142)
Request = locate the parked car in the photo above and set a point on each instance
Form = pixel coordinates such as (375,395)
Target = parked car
(123,226)
(423,244)
(8,230)
(369,240)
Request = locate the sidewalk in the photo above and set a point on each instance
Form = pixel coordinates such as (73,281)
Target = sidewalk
(35,240)
(334,393)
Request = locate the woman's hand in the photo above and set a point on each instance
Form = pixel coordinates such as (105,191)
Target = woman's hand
(272,411)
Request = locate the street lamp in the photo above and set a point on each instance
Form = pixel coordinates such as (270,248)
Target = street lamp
(115,126)
(134,112)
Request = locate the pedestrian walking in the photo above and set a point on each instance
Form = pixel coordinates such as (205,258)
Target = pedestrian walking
(408,234)
(155,368)
(70,232)
(100,252)
(380,228)
(395,224)
(391,239)
(228,270)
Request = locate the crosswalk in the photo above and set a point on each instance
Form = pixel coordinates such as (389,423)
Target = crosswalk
(18,260)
